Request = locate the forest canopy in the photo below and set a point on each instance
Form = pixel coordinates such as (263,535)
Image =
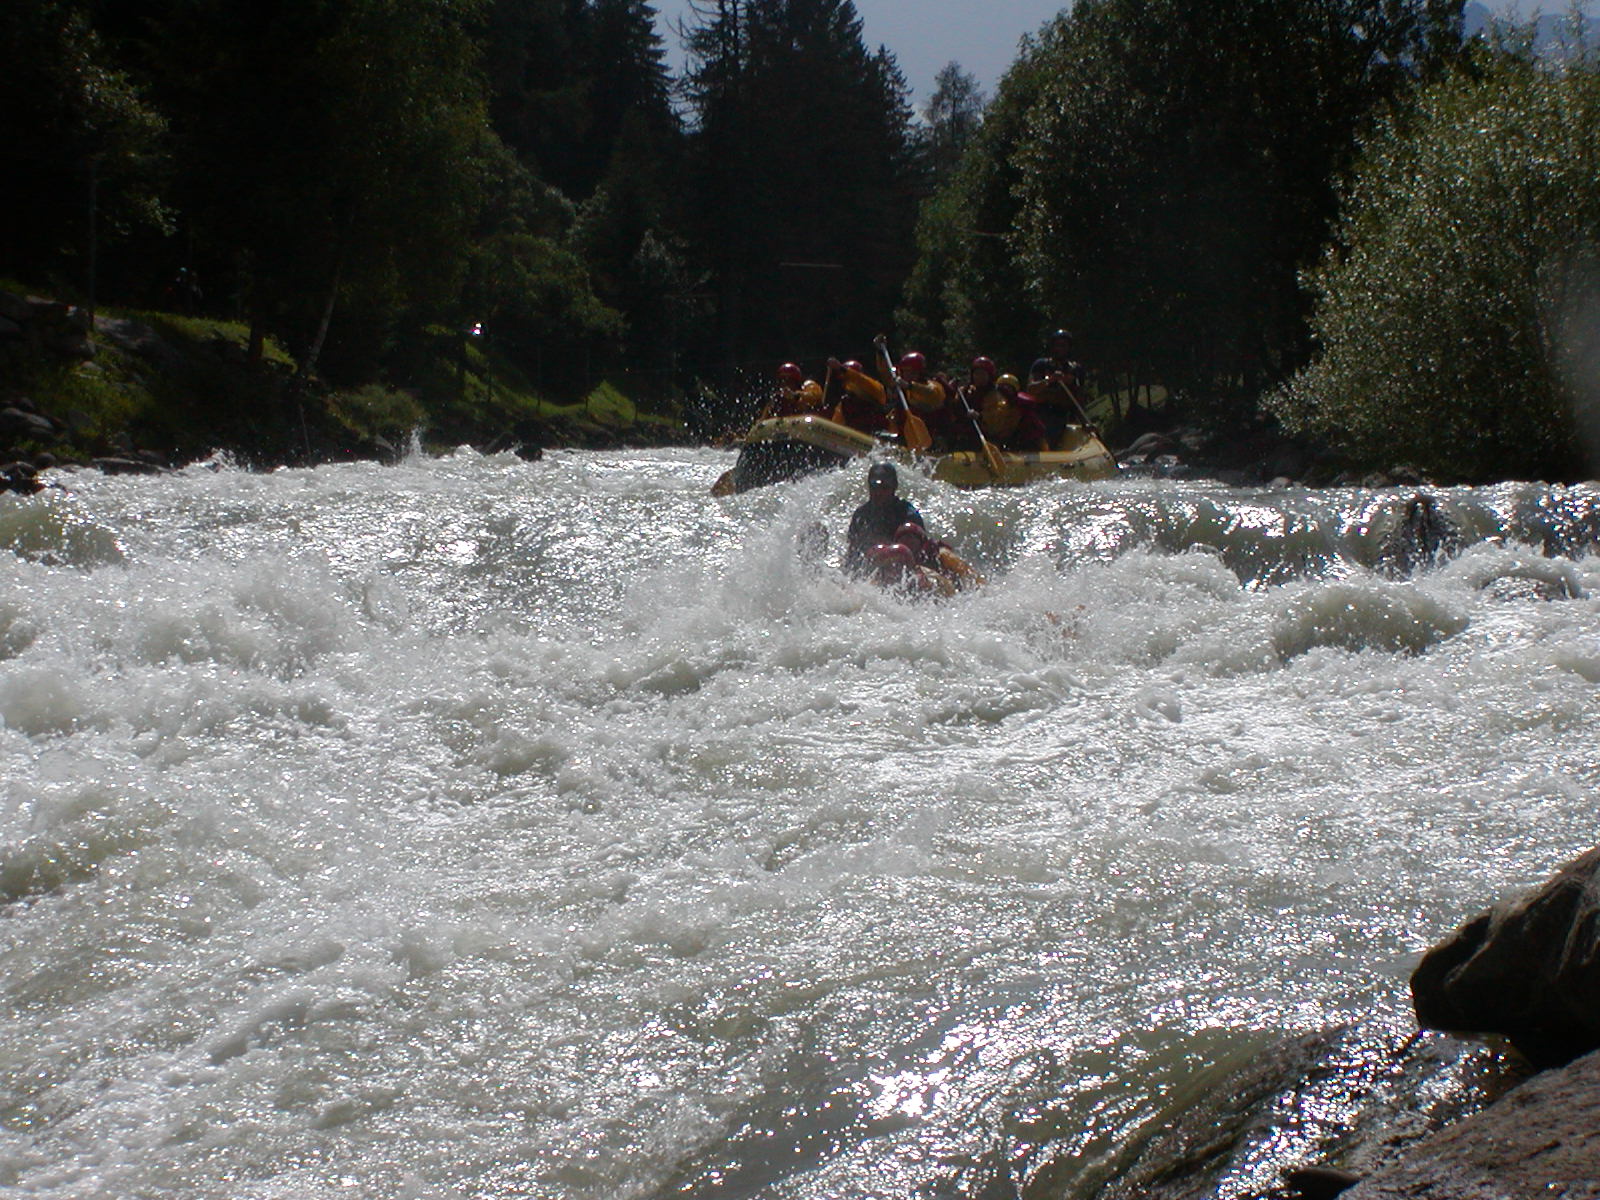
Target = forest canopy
(1228,199)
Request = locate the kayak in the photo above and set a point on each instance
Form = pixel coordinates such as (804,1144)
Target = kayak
(782,448)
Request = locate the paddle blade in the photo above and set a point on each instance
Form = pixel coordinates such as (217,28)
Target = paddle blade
(991,456)
(915,431)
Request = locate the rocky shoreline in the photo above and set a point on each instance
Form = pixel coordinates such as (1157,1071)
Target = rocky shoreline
(1504,1106)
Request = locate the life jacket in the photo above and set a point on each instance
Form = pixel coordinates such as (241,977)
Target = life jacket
(999,415)
(861,405)
(805,399)
(925,398)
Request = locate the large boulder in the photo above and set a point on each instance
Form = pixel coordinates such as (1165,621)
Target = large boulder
(1541,1139)
(1528,969)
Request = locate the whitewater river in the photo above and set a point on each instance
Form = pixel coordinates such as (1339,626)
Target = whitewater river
(481,828)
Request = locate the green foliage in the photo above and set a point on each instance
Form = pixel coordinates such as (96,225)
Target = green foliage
(1180,167)
(74,125)
(605,403)
(1459,313)
(376,410)
(803,178)
(967,293)
(952,115)
(1153,174)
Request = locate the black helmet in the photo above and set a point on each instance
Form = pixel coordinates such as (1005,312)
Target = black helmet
(883,473)
(1060,335)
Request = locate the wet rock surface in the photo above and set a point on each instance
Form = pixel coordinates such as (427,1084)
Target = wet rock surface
(1541,1140)
(1528,970)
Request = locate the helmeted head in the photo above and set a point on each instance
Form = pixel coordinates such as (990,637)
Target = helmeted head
(891,562)
(914,366)
(882,479)
(853,365)
(915,539)
(983,370)
(1060,342)
(811,392)
(1009,384)
(790,375)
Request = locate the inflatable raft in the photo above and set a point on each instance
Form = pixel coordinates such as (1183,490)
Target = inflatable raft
(783,448)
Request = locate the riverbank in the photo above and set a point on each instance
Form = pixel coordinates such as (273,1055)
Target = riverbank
(1495,1094)
(141,391)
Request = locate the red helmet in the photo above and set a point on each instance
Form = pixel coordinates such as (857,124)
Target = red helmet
(913,363)
(790,374)
(915,539)
(886,555)
(984,363)
(853,365)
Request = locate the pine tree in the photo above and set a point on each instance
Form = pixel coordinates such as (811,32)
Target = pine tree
(952,116)
(805,177)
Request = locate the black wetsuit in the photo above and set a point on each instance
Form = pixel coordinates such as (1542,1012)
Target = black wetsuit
(874,523)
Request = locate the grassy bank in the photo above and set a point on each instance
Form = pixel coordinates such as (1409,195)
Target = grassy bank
(174,388)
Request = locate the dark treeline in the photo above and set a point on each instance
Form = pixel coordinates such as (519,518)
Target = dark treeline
(348,175)
(1197,188)
(1156,173)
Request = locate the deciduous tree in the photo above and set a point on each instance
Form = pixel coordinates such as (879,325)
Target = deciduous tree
(1458,313)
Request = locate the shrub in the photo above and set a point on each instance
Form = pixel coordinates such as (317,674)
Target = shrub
(1458,312)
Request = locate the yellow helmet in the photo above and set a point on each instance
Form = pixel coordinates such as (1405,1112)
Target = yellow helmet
(811,392)
(1009,380)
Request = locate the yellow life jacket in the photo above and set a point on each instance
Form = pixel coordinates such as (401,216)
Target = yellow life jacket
(806,399)
(1000,416)
(924,397)
(862,386)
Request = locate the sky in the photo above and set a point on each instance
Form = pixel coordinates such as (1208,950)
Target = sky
(981,35)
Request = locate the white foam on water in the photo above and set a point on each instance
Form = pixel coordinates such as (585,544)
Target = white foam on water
(481,828)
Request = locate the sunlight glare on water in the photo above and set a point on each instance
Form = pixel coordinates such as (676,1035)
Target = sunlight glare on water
(482,828)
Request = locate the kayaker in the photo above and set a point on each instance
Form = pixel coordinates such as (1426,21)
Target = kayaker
(858,398)
(1056,381)
(949,571)
(876,520)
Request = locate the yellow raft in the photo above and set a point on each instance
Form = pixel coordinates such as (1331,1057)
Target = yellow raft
(781,448)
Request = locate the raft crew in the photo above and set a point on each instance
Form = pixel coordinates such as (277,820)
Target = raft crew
(989,407)
(1056,381)
(877,519)
(795,395)
(928,397)
(858,399)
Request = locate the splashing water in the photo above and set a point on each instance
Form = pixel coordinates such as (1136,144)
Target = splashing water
(481,828)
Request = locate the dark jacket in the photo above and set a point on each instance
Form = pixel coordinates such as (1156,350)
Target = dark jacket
(874,523)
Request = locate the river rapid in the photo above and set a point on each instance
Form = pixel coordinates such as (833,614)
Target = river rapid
(481,828)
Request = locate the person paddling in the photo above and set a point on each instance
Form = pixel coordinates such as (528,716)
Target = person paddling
(877,519)
(1056,380)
